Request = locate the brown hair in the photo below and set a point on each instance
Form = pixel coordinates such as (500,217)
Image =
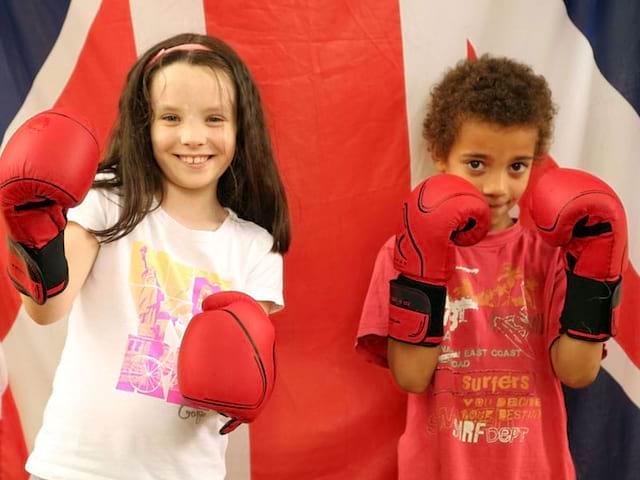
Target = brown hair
(251,186)
(490,89)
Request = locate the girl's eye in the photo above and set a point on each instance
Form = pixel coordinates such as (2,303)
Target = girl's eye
(215,119)
(475,164)
(169,117)
(519,167)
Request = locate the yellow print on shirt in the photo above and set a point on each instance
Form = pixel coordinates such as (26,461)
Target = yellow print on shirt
(512,304)
(512,289)
(166,294)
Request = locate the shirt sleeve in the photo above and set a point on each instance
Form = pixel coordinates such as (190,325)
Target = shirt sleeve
(264,281)
(97,211)
(371,339)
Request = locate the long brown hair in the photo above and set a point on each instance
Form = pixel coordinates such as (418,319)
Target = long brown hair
(251,186)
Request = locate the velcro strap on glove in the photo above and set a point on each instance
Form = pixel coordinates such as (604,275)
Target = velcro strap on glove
(38,273)
(229,426)
(590,308)
(416,312)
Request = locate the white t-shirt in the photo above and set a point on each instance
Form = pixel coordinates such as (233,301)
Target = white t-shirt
(115,411)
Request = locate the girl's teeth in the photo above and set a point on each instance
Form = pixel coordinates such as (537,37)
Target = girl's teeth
(195,160)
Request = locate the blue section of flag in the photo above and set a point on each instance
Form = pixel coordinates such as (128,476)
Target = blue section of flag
(28,30)
(604,431)
(612,28)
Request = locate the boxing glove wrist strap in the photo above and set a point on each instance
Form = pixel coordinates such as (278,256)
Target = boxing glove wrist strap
(38,273)
(589,308)
(416,312)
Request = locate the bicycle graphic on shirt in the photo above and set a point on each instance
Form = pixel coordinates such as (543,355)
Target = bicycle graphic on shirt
(150,364)
(147,374)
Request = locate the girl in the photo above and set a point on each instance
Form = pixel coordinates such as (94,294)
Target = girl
(484,373)
(188,202)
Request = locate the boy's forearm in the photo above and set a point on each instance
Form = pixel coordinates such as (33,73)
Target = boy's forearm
(412,366)
(576,362)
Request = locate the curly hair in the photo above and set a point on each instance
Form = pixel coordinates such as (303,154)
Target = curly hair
(491,89)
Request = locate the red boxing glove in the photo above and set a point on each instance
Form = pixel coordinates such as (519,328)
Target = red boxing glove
(226,360)
(443,211)
(579,212)
(46,168)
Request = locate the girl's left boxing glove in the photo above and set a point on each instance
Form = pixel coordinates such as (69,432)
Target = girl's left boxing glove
(46,168)
(226,360)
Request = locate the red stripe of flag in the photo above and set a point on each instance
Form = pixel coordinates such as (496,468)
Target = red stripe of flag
(333,87)
(98,78)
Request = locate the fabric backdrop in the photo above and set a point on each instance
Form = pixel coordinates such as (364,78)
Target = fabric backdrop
(344,85)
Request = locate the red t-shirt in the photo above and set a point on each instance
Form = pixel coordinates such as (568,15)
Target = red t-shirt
(494,409)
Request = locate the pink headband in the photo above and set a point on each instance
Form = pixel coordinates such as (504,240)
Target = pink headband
(185,47)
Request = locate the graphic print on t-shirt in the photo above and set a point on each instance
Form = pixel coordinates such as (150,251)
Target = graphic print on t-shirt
(487,363)
(167,295)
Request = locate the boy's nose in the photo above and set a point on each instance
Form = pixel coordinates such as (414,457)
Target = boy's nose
(495,185)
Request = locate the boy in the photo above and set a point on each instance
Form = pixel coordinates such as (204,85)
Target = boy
(480,327)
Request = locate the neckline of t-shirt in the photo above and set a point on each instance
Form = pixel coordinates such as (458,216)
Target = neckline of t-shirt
(503,236)
(203,235)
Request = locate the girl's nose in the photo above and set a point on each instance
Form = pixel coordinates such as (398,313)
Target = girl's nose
(192,135)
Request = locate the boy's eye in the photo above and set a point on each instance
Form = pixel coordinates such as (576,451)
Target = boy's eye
(475,164)
(519,167)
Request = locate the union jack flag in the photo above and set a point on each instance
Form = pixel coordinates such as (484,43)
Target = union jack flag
(344,85)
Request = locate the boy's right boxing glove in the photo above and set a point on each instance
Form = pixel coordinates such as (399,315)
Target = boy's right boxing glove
(46,168)
(441,211)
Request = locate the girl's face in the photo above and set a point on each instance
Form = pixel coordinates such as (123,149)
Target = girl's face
(193,131)
(497,160)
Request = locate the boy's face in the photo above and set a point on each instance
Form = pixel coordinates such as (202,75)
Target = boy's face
(497,160)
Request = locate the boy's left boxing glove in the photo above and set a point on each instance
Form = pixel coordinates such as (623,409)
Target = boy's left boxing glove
(46,168)
(226,360)
(579,212)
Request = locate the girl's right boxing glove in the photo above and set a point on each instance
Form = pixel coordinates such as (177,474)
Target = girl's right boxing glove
(46,168)
(443,211)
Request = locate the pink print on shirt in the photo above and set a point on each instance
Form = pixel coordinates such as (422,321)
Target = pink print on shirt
(167,294)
